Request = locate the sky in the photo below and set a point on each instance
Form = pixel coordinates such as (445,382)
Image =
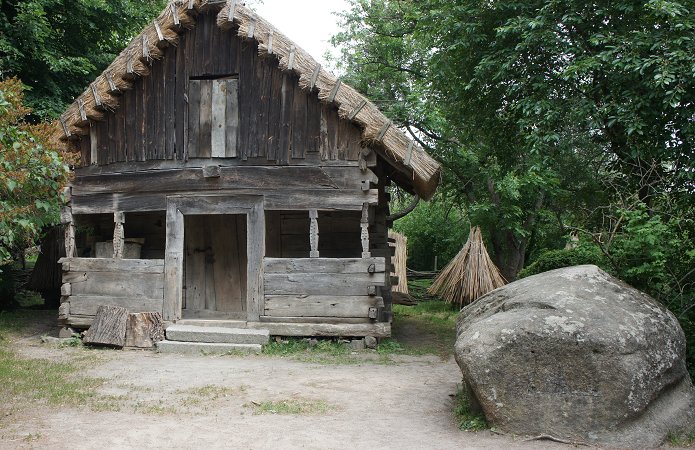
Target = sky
(309,23)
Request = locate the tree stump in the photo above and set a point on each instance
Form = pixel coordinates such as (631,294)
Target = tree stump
(143,330)
(109,327)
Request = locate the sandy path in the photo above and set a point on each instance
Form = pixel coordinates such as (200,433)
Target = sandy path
(406,405)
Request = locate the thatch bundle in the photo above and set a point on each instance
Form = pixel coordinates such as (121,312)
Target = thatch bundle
(399,261)
(134,60)
(470,275)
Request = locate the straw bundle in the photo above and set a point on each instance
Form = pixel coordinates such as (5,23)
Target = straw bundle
(399,261)
(470,275)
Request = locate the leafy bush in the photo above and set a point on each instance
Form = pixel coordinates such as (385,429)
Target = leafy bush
(433,228)
(556,259)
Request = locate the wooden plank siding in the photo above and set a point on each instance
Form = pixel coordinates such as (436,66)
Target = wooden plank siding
(134,284)
(322,287)
(171,113)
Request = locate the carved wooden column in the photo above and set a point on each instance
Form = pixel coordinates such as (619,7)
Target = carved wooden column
(66,220)
(314,233)
(364,225)
(118,234)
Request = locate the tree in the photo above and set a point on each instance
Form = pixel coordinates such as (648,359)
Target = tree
(32,175)
(57,47)
(533,105)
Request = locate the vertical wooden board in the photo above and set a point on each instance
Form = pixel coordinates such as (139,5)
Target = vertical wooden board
(255,250)
(205,127)
(324,147)
(173,264)
(354,146)
(130,110)
(299,123)
(203,44)
(219,123)
(231,118)
(195,235)
(286,109)
(85,150)
(102,142)
(181,99)
(272,234)
(93,144)
(333,121)
(154,113)
(344,135)
(141,119)
(170,58)
(229,246)
(264,106)
(313,117)
(120,132)
(233,49)
(193,118)
(274,115)
(247,100)
(242,261)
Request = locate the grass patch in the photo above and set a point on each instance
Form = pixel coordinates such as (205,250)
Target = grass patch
(681,439)
(426,328)
(209,392)
(326,351)
(466,419)
(292,407)
(44,381)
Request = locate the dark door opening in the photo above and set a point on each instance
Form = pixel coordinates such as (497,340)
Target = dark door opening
(215,267)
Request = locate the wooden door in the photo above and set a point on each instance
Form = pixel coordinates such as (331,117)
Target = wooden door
(215,261)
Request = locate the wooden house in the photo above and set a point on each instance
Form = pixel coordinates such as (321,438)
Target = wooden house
(225,176)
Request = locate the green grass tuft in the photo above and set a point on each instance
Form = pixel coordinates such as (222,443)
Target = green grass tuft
(292,407)
(466,419)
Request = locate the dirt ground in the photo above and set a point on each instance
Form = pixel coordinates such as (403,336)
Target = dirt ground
(150,400)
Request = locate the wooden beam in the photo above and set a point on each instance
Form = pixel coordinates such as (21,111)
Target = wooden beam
(87,305)
(320,305)
(319,284)
(118,234)
(112,265)
(364,227)
(377,329)
(325,200)
(323,265)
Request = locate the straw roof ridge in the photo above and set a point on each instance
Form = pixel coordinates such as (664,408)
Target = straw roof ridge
(377,130)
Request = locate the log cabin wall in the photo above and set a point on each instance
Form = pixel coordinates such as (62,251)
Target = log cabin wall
(176,113)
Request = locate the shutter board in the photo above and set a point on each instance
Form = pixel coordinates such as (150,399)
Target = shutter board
(213,118)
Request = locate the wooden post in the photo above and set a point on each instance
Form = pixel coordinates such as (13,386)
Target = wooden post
(314,233)
(118,235)
(364,225)
(66,220)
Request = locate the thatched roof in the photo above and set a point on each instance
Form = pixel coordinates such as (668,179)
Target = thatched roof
(421,170)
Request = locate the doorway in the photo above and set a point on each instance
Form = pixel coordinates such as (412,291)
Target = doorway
(215,267)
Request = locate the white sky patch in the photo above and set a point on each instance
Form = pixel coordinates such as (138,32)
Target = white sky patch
(309,23)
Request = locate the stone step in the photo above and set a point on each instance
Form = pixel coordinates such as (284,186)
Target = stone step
(192,333)
(206,348)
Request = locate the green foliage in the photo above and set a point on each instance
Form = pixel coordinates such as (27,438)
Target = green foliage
(467,419)
(59,46)
(434,228)
(31,175)
(555,259)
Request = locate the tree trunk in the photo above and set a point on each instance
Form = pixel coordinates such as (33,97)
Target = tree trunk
(144,329)
(109,327)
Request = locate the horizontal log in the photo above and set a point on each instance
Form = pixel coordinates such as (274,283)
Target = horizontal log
(320,305)
(376,329)
(86,305)
(112,265)
(139,166)
(117,284)
(329,320)
(321,283)
(80,322)
(246,177)
(323,265)
(273,200)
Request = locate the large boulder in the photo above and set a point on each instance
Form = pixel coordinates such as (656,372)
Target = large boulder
(576,354)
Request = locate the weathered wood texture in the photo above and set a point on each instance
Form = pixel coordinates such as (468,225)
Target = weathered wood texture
(215,263)
(322,287)
(376,329)
(144,329)
(109,327)
(172,113)
(134,284)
